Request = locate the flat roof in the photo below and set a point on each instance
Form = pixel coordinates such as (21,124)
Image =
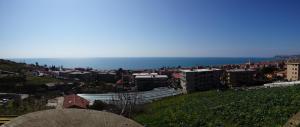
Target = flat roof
(137,74)
(294,63)
(199,70)
(151,76)
(238,70)
(76,73)
(111,73)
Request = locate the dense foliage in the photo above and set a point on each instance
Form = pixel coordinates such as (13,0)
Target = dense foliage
(268,70)
(264,107)
(20,107)
(33,80)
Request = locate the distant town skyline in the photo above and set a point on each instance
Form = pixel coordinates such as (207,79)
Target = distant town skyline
(149,28)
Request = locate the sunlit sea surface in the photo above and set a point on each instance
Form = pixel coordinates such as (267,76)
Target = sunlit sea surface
(137,63)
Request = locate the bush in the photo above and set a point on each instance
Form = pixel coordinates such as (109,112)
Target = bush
(99,105)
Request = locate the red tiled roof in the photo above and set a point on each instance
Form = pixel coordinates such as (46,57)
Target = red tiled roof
(120,82)
(177,75)
(75,101)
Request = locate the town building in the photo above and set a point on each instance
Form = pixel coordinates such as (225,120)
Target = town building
(74,101)
(175,80)
(293,71)
(240,77)
(148,81)
(281,74)
(4,74)
(56,102)
(124,83)
(109,77)
(200,79)
(8,78)
(82,76)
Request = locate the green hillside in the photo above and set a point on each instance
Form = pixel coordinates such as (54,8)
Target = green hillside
(265,107)
(31,80)
(7,65)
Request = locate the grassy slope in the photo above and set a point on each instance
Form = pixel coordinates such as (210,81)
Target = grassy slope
(7,65)
(265,107)
(40,80)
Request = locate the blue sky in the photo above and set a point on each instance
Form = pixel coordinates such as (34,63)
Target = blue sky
(149,28)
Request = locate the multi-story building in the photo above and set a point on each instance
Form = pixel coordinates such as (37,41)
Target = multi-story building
(109,77)
(239,77)
(293,71)
(199,79)
(83,76)
(175,80)
(148,81)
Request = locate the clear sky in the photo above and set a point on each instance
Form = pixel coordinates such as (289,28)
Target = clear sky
(149,28)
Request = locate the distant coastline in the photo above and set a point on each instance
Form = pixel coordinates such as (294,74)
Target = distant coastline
(136,63)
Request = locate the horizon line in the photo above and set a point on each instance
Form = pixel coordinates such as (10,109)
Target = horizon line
(139,57)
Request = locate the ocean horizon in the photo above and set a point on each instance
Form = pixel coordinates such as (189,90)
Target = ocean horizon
(136,63)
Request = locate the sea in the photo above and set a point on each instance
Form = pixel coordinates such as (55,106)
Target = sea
(137,63)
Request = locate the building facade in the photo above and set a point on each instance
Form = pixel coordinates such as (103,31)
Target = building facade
(239,77)
(109,77)
(293,72)
(200,79)
(148,81)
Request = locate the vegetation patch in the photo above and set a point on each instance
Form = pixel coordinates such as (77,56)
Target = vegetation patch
(33,80)
(20,107)
(264,107)
(11,66)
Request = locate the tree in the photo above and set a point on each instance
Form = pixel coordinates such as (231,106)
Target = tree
(268,70)
(127,102)
(119,73)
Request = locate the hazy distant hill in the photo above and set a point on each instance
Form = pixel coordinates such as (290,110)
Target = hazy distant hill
(287,56)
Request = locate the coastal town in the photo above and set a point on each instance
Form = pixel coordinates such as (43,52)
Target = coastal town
(31,87)
(149,63)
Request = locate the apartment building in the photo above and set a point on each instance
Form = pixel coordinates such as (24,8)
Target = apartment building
(148,81)
(293,71)
(200,79)
(109,77)
(239,77)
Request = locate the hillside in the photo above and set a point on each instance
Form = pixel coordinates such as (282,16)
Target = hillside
(265,107)
(23,74)
(7,65)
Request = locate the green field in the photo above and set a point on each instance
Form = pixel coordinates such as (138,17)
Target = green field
(265,107)
(33,80)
